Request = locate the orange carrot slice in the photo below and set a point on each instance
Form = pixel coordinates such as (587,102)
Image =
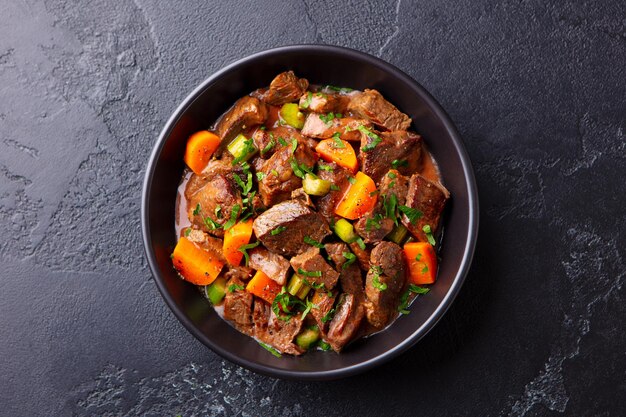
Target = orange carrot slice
(422,262)
(358,199)
(234,238)
(263,287)
(196,265)
(338,151)
(200,148)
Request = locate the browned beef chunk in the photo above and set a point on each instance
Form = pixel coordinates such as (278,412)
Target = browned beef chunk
(430,199)
(264,142)
(350,277)
(291,221)
(238,306)
(371,105)
(324,102)
(362,256)
(274,331)
(324,302)
(375,225)
(338,177)
(345,324)
(384,282)
(347,127)
(279,178)
(285,88)
(247,111)
(242,273)
(300,195)
(312,266)
(207,242)
(401,146)
(212,196)
(274,266)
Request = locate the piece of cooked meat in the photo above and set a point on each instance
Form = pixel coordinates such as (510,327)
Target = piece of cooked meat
(290,221)
(238,306)
(384,281)
(242,273)
(371,105)
(335,252)
(344,326)
(375,225)
(285,88)
(271,264)
(211,205)
(430,199)
(301,195)
(324,302)
(350,277)
(279,179)
(247,111)
(324,102)
(337,176)
(401,146)
(347,127)
(311,266)
(276,332)
(362,256)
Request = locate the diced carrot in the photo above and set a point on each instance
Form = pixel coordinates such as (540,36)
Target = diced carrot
(263,287)
(234,238)
(422,262)
(358,199)
(342,156)
(200,148)
(195,264)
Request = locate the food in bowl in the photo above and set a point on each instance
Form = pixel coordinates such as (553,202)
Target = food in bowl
(308,215)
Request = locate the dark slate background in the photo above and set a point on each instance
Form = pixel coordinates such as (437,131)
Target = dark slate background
(537,89)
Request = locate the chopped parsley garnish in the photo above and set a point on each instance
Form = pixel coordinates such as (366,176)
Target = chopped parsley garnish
(307,101)
(328,316)
(377,271)
(187,231)
(323,345)
(246,187)
(351,179)
(338,143)
(391,175)
(334,187)
(260,176)
(360,242)
(268,147)
(390,204)
(196,211)
(233,217)
(314,285)
(412,214)
(425,269)
(338,89)
(278,230)
(375,138)
(270,349)
(244,249)
(310,241)
(308,306)
(282,141)
(373,193)
(309,273)
(404,299)
(294,145)
(418,257)
(300,169)
(325,167)
(211,224)
(328,118)
(351,258)
(218,211)
(373,222)
(275,172)
(429,234)
(234,287)
(397,163)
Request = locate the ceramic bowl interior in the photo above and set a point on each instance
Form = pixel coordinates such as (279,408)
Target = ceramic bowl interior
(320,65)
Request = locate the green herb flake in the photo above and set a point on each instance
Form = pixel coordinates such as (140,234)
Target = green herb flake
(334,187)
(268,147)
(412,214)
(390,203)
(338,143)
(323,345)
(308,306)
(351,179)
(429,234)
(350,259)
(275,172)
(325,167)
(361,244)
(270,349)
(328,118)
(278,230)
(310,241)
(307,101)
(187,231)
(391,175)
(328,316)
(375,138)
(233,217)
(235,287)
(196,211)
(398,163)
(294,145)
(211,224)
(425,269)
(314,285)
(260,176)
(418,257)
(246,187)
(338,89)
(282,141)
(377,272)
(218,212)
(244,249)
(309,273)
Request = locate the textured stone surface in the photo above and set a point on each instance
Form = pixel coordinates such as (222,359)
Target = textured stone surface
(537,90)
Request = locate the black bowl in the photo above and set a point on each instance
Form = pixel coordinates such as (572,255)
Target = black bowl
(320,65)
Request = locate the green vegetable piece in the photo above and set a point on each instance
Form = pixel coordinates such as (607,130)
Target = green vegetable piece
(345,231)
(298,287)
(307,338)
(290,113)
(216,291)
(241,148)
(398,235)
(303,292)
(315,186)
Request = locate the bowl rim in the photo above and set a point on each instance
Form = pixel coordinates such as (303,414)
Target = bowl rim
(414,337)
